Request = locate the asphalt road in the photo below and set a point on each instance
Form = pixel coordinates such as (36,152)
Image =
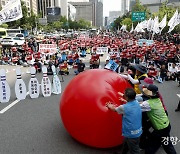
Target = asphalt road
(35,126)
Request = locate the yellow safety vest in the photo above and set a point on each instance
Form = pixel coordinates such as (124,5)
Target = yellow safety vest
(136,86)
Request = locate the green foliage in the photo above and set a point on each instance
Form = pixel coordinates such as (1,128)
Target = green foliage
(4,26)
(127,22)
(138,7)
(57,25)
(84,24)
(169,11)
(63,23)
(164,9)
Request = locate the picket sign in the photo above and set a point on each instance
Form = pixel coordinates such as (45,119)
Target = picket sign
(101,50)
(111,66)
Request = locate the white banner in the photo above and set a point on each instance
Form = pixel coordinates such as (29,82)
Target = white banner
(48,48)
(11,11)
(101,50)
(83,37)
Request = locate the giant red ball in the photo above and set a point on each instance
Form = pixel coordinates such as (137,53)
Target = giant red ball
(83,108)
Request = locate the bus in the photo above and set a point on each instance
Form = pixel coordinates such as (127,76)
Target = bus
(3,33)
(13,32)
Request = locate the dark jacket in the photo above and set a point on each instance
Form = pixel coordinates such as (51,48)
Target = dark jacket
(81,67)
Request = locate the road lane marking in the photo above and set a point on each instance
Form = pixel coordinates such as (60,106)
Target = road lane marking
(11,105)
(178,95)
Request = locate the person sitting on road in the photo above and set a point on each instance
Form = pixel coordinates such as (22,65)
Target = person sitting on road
(107,61)
(152,72)
(49,69)
(173,70)
(80,67)
(95,64)
(37,65)
(64,68)
(163,74)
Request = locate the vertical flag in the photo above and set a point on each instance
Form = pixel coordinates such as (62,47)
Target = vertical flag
(156,29)
(162,24)
(149,24)
(132,28)
(174,21)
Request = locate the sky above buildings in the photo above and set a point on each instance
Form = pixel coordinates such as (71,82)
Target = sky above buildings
(109,5)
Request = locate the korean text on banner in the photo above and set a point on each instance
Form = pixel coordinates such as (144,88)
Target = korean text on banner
(11,11)
(48,48)
(101,50)
(111,65)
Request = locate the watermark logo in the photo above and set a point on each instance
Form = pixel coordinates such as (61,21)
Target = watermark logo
(173,139)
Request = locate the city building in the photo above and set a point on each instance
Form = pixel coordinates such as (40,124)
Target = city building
(44,4)
(91,10)
(86,11)
(154,5)
(33,6)
(71,12)
(53,14)
(131,4)
(113,15)
(98,12)
(30,4)
(124,7)
(105,21)
(64,8)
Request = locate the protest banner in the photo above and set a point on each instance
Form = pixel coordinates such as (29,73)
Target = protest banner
(11,11)
(101,50)
(48,48)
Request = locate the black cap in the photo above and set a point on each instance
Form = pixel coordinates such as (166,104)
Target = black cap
(141,68)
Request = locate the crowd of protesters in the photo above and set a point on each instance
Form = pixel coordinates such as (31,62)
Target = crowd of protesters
(161,56)
(139,64)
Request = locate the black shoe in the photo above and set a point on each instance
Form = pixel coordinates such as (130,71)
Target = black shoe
(177,110)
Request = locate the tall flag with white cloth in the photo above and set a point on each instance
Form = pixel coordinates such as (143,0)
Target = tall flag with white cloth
(139,28)
(162,24)
(11,11)
(123,28)
(152,25)
(174,21)
(156,29)
(144,24)
(132,28)
(149,24)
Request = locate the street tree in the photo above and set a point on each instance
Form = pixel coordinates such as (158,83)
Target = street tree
(127,22)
